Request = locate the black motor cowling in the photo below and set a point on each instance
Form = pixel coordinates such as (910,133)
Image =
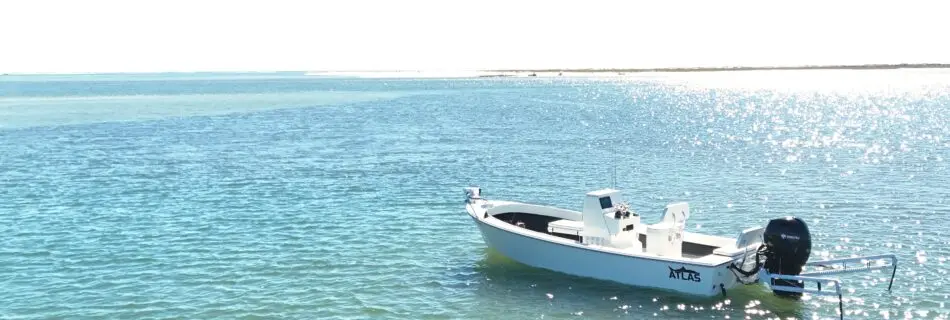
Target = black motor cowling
(787,248)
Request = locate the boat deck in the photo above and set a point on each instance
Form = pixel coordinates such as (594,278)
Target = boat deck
(697,246)
(698,249)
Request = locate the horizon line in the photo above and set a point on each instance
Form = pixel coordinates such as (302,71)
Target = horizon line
(874,66)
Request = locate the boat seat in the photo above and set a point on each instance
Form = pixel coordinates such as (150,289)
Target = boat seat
(748,240)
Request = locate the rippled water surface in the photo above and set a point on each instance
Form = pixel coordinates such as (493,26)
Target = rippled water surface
(285,196)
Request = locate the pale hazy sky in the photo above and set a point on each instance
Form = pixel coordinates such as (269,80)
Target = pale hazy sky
(137,36)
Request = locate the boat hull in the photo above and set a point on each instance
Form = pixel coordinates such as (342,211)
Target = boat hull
(694,279)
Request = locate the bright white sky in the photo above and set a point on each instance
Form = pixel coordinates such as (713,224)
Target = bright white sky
(204,35)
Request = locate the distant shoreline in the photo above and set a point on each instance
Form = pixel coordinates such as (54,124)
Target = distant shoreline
(514,72)
(715,69)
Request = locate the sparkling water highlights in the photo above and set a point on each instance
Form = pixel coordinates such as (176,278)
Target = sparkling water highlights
(288,196)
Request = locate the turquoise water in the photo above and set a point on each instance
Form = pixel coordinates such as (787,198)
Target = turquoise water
(286,196)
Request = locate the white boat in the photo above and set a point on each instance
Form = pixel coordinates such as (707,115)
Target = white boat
(608,241)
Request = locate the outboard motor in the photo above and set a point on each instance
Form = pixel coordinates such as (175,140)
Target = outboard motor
(787,248)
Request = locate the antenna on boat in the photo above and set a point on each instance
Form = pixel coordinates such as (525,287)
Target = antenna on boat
(614,182)
(613,161)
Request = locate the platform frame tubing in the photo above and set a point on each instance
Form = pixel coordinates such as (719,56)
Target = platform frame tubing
(836,282)
(867,267)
